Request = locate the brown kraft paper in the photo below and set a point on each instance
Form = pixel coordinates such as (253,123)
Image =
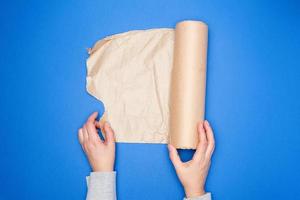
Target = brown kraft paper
(152,83)
(188,82)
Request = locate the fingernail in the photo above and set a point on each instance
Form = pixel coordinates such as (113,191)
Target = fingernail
(108,123)
(207,123)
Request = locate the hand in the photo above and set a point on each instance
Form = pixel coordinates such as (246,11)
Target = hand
(192,174)
(101,154)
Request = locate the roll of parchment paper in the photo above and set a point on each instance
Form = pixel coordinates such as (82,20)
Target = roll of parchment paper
(188,83)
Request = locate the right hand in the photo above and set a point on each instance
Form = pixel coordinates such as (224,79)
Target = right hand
(192,174)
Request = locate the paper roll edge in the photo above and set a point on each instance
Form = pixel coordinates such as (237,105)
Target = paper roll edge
(198,22)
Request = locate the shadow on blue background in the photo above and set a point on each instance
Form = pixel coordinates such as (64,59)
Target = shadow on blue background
(253,99)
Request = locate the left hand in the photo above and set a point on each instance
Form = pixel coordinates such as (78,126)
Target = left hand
(101,154)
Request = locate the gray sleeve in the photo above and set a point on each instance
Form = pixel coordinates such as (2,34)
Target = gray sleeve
(101,186)
(207,196)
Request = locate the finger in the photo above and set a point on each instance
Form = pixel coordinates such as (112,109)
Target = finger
(100,125)
(174,157)
(80,136)
(202,145)
(210,139)
(109,134)
(92,132)
(85,134)
(93,116)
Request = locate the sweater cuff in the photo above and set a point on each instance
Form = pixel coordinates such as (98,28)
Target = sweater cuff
(206,196)
(101,185)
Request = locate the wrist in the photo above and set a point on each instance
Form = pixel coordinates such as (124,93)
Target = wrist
(194,192)
(103,169)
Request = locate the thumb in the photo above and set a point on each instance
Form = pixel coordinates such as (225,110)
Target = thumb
(174,157)
(109,134)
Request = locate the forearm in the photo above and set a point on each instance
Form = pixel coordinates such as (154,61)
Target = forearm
(101,185)
(206,196)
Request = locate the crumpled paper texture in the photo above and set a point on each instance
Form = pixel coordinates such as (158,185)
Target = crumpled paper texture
(152,83)
(130,73)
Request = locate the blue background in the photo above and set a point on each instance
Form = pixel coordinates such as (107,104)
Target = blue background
(253,99)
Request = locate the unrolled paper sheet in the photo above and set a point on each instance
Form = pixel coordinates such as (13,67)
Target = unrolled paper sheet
(131,74)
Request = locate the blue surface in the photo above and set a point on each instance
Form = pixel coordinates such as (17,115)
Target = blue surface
(253,98)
